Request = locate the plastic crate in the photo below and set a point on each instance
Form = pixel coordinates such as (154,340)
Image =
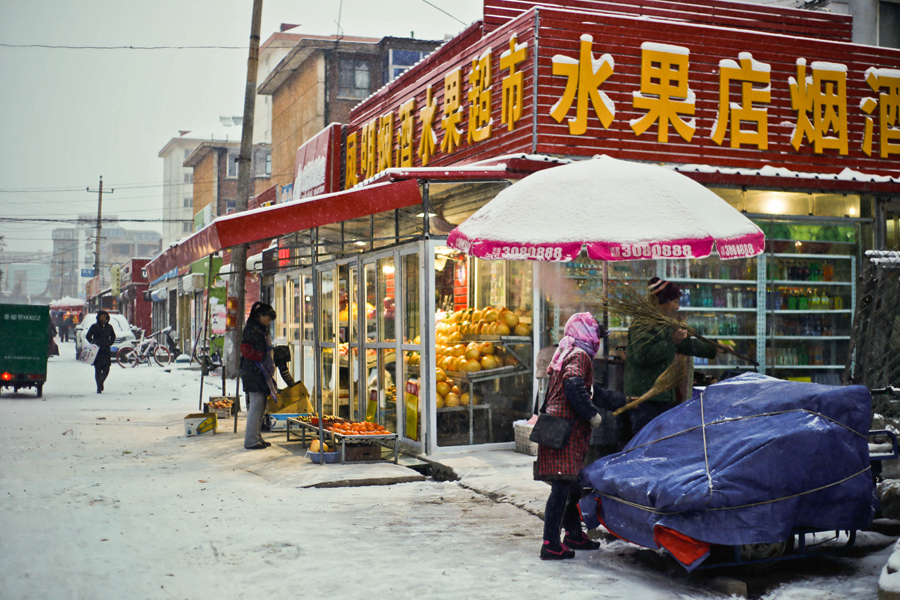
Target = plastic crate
(523,444)
(330,457)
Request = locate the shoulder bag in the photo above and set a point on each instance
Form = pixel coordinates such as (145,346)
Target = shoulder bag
(550,430)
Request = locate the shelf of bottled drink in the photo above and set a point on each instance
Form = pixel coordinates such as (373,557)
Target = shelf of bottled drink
(788,310)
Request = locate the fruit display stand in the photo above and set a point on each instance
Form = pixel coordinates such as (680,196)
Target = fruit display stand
(387,440)
(471,378)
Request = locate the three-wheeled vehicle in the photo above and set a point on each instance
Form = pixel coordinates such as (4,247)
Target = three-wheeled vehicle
(24,346)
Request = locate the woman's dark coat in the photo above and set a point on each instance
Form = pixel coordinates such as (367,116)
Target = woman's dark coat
(254,347)
(104,336)
(568,397)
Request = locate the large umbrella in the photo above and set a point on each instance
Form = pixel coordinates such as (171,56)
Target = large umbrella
(617,210)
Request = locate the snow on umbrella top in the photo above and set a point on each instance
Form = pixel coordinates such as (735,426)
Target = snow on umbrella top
(618,210)
(67,302)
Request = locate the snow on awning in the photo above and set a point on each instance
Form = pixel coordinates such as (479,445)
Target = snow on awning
(846,181)
(274,221)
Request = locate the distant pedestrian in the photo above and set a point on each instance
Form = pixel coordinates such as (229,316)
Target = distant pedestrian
(103,335)
(52,348)
(65,327)
(257,371)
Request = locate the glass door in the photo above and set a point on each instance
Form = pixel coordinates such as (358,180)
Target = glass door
(391,323)
(327,337)
(307,334)
(348,343)
(381,344)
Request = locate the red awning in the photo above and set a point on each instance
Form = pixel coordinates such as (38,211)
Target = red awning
(274,221)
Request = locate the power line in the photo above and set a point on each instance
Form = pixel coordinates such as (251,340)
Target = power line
(52,47)
(445,12)
(128,186)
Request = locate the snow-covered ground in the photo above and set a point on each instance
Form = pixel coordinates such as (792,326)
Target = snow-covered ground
(102,496)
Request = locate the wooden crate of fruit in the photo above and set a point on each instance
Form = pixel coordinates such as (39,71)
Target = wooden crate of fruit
(222,406)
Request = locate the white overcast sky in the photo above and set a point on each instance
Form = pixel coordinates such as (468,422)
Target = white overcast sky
(69,116)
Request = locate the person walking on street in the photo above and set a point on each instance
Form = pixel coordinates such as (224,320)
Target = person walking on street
(569,396)
(257,371)
(65,327)
(103,335)
(52,349)
(651,351)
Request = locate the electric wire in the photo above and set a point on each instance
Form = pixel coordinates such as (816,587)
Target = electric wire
(445,12)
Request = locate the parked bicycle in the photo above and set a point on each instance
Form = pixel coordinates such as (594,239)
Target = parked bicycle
(146,348)
(208,362)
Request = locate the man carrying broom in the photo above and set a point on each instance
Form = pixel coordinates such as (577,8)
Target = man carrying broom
(654,339)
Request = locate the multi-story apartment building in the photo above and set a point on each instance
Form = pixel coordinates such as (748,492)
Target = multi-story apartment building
(320,79)
(178,179)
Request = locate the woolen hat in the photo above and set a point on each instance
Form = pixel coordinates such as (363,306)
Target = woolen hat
(664,291)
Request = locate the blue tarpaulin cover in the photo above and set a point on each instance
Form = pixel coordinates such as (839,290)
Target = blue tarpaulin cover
(745,461)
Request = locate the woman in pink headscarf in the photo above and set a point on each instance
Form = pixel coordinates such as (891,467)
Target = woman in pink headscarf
(570,396)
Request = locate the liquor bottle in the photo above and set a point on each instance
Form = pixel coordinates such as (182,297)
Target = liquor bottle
(729,299)
(828,272)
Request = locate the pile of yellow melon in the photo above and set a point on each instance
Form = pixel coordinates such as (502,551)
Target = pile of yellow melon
(449,393)
(486,321)
(473,357)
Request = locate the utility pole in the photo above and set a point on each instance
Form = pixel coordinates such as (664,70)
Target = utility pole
(245,163)
(99,226)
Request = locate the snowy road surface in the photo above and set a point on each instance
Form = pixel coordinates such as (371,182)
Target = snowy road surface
(101,496)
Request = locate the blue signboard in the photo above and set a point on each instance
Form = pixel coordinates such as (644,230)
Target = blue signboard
(87,272)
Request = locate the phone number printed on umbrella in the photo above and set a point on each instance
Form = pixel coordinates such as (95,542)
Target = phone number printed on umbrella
(532,252)
(737,249)
(651,251)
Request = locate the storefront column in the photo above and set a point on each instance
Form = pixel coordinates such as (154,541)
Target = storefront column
(428,360)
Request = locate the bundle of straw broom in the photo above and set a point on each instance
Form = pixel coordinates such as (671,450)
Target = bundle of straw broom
(667,380)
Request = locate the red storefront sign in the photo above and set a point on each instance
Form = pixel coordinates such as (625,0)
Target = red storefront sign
(317,166)
(556,81)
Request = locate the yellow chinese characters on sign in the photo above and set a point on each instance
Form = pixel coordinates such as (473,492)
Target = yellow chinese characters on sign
(585,76)
(428,143)
(665,93)
(513,82)
(369,149)
(407,129)
(821,105)
(386,142)
(480,98)
(350,177)
(452,111)
(748,73)
(888,104)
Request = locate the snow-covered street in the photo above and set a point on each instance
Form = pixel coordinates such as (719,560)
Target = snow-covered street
(104,497)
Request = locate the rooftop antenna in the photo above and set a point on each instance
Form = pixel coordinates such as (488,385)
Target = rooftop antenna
(339,34)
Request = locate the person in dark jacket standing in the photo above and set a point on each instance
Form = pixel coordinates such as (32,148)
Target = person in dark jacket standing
(53,349)
(103,335)
(570,396)
(651,351)
(257,371)
(65,327)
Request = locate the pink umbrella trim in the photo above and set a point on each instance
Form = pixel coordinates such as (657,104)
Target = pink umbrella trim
(738,247)
(498,250)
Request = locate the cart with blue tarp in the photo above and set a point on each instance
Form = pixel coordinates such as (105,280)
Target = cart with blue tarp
(24,346)
(752,463)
